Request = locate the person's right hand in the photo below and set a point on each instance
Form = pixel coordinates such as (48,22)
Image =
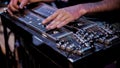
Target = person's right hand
(15,5)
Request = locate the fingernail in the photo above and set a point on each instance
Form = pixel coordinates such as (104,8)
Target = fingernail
(47,27)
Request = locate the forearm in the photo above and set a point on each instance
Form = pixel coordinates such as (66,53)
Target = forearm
(105,5)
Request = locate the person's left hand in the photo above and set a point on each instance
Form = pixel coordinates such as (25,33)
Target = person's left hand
(63,16)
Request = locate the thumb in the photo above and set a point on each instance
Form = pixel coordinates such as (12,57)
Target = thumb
(23,3)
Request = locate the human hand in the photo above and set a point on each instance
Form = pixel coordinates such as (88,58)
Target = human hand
(13,6)
(63,16)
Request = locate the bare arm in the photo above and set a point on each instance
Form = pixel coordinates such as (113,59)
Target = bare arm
(65,15)
(105,5)
(14,6)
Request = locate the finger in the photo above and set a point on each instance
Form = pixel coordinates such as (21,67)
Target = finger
(57,19)
(11,7)
(64,22)
(50,18)
(60,18)
(15,4)
(52,25)
(64,18)
(23,3)
(9,12)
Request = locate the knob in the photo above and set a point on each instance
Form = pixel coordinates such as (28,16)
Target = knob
(101,40)
(79,52)
(63,47)
(70,47)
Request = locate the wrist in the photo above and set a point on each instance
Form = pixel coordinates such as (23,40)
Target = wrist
(82,9)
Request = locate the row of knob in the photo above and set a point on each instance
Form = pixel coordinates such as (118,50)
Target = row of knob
(73,46)
(84,41)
